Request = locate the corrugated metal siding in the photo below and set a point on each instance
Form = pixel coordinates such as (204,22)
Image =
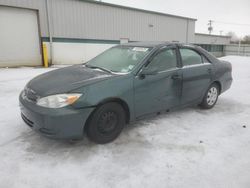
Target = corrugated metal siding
(78,19)
(85,20)
(191,31)
(31,4)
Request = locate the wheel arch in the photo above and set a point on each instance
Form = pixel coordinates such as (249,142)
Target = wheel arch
(116,100)
(219,84)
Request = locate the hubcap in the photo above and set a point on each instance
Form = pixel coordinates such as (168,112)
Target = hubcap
(107,122)
(212,96)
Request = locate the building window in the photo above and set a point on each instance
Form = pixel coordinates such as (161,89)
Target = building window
(212,47)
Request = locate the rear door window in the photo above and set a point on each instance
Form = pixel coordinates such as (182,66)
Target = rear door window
(190,57)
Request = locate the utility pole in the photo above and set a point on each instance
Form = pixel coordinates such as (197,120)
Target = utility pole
(210,27)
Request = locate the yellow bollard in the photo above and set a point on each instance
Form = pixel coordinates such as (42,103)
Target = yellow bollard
(45,56)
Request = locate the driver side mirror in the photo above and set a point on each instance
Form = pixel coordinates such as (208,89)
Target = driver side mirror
(148,71)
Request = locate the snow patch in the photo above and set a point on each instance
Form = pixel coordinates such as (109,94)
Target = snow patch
(186,148)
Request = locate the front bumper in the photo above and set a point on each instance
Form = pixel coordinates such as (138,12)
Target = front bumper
(61,123)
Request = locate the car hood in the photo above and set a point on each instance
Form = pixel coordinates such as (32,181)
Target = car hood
(66,79)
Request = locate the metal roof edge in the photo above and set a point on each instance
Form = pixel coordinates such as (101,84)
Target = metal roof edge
(137,9)
(204,34)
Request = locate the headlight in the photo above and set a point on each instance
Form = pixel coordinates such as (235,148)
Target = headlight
(58,101)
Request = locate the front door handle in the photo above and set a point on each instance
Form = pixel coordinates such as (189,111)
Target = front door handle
(209,70)
(176,77)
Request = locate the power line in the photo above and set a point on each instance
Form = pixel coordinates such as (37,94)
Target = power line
(230,23)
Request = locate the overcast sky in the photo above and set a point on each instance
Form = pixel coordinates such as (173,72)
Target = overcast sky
(228,15)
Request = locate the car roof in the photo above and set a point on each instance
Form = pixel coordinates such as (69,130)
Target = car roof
(146,44)
(152,44)
(159,44)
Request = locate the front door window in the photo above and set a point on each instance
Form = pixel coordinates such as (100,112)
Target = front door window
(164,60)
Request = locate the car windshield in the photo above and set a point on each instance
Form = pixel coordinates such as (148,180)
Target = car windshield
(120,59)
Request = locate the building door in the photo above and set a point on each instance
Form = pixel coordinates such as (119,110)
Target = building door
(19,37)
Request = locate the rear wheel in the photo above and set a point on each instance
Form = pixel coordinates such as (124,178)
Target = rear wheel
(210,97)
(106,123)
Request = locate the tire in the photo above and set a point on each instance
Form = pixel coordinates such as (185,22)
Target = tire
(210,97)
(106,123)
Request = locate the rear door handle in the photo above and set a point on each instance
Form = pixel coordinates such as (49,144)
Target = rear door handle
(176,77)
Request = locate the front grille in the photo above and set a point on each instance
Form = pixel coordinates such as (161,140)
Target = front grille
(27,121)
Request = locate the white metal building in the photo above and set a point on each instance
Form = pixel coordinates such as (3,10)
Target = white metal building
(77,30)
(212,43)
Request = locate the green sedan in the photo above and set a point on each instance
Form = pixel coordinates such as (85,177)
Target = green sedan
(125,83)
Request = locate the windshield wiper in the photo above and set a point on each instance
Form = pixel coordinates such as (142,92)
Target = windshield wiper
(96,67)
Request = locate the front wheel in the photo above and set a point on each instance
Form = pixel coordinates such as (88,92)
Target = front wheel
(106,123)
(210,97)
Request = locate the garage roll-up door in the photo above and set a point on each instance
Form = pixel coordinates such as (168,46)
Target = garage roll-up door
(19,37)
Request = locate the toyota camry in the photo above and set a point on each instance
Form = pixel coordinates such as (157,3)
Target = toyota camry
(125,83)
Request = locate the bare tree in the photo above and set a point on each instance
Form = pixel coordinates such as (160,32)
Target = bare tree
(246,39)
(234,37)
